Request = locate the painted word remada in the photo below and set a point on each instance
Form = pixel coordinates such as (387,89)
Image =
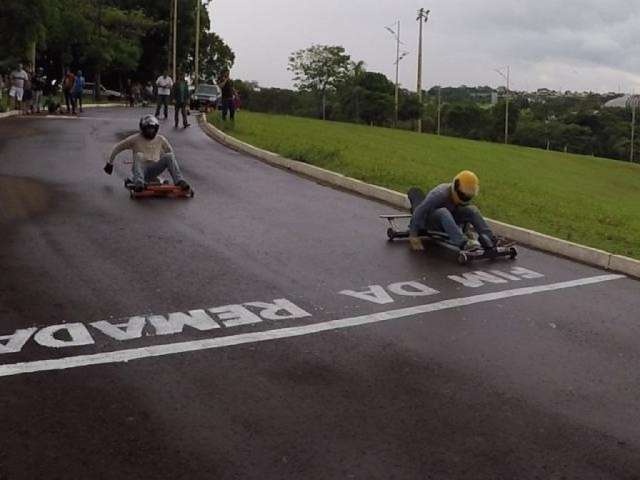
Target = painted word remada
(78,334)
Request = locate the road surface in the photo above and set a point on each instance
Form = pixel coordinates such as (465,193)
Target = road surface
(266,330)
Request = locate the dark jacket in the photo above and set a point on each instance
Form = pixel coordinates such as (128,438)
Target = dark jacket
(181,93)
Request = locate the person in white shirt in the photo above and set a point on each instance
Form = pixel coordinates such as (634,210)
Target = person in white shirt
(152,155)
(18,79)
(164,84)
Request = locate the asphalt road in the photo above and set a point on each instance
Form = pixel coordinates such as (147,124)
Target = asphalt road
(529,370)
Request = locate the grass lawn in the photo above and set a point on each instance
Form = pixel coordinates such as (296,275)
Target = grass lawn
(583,199)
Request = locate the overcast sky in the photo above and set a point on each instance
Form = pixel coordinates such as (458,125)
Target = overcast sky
(557,44)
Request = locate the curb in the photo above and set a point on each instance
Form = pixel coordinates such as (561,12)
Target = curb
(15,113)
(103,105)
(10,113)
(539,241)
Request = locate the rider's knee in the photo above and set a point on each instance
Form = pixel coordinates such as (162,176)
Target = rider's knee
(441,212)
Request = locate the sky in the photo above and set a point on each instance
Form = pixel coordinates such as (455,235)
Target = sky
(578,45)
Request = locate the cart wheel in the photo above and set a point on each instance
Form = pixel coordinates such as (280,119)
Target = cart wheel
(391,234)
(513,253)
(463,258)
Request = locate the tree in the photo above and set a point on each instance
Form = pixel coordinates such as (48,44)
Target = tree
(319,68)
(499,119)
(215,55)
(467,120)
(116,42)
(410,107)
(363,95)
(22,24)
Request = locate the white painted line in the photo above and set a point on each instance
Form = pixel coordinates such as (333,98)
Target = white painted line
(173,348)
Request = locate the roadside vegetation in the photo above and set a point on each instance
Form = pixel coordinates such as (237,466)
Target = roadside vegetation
(330,85)
(584,199)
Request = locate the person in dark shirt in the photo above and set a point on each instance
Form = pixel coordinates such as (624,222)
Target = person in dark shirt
(181,100)
(228,104)
(38,84)
(446,208)
(68,82)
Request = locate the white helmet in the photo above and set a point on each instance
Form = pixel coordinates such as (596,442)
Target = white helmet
(149,126)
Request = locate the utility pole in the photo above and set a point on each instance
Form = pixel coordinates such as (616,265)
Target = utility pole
(197,73)
(633,100)
(423,17)
(170,45)
(175,36)
(439,107)
(506,97)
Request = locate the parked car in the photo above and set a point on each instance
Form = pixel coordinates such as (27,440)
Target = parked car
(205,96)
(104,92)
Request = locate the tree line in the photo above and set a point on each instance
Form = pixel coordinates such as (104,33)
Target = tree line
(330,85)
(110,40)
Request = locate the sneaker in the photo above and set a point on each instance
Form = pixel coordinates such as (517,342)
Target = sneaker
(500,242)
(416,244)
(187,125)
(183,185)
(471,245)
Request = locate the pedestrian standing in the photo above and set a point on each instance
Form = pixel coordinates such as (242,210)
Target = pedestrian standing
(148,94)
(136,91)
(38,83)
(27,97)
(226,86)
(164,84)
(2,87)
(68,82)
(78,90)
(181,100)
(18,78)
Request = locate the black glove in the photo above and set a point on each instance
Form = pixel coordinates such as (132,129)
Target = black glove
(108,168)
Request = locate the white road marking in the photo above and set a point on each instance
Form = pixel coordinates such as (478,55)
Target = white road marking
(174,348)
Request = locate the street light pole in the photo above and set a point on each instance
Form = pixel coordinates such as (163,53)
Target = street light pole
(506,111)
(399,57)
(197,74)
(397,95)
(506,97)
(423,17)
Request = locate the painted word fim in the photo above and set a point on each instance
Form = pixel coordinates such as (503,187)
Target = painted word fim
(382,296)
(78,334)
(480,278)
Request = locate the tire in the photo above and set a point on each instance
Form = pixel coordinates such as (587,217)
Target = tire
(513,253)
(192,194)
(391,234)
(463,258)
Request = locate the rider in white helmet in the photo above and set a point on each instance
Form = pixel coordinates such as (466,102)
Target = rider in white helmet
(152,155)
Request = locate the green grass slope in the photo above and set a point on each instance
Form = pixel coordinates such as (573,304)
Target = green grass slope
(588,200)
